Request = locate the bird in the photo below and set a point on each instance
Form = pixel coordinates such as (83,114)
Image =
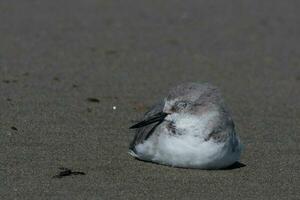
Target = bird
(191,127)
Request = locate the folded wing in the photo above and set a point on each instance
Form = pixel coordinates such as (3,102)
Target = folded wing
(144,130)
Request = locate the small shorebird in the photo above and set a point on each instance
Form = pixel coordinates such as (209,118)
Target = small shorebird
(190,128)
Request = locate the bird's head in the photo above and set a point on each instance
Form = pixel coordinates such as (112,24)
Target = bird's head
(191,98)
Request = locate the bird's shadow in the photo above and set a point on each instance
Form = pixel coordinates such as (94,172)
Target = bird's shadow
(235,165)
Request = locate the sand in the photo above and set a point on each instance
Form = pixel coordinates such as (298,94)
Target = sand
(74,75)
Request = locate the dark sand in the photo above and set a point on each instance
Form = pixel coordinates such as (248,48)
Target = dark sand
(54,55)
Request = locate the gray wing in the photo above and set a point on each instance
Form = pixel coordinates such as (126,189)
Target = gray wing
(145,132)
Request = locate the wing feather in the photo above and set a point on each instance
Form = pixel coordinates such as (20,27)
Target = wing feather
(145,132)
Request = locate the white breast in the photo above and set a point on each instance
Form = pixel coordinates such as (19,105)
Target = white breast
(187,148)
(193,125)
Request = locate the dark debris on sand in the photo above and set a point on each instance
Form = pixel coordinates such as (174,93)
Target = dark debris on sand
(67,172)
(94,100)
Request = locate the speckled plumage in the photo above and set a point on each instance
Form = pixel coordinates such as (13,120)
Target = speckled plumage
(197,131)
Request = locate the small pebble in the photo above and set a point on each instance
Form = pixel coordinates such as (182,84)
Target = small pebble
(94,100)
(14,128)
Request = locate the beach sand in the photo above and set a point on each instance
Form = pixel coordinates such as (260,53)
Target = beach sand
(64,65)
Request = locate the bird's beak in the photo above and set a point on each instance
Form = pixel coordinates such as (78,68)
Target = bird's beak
(159,117)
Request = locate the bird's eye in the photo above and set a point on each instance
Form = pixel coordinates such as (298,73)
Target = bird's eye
(181,104)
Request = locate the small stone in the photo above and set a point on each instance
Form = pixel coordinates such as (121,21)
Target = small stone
(94,100)
(14,128)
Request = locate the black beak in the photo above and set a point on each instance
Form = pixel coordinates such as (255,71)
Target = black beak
(159,117)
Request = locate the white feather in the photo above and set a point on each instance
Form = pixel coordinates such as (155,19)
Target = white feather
(188,148)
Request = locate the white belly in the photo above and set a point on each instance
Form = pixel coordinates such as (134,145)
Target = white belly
(189,149)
